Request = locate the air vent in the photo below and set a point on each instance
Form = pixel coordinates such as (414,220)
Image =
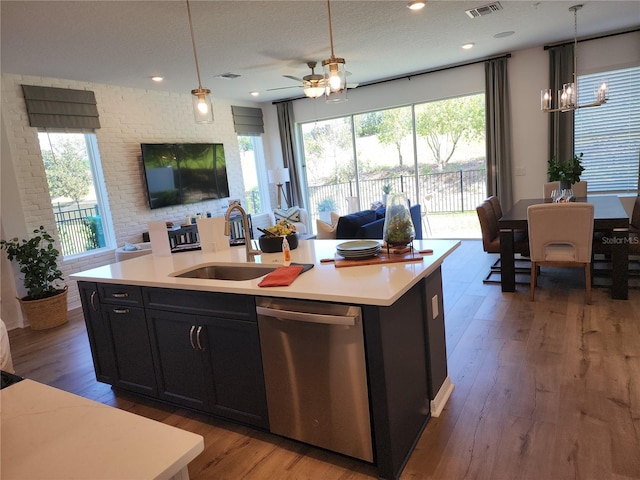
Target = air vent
(228,76)
(484,10)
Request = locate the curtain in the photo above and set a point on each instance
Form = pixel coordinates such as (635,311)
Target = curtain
(498,121)
(50,107)
(287,141)
(560,123)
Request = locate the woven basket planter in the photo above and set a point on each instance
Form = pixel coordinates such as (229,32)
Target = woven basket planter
(47,312)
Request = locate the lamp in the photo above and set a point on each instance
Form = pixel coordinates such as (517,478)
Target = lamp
(202,106)
(313,83)
(568,96)
(334,72)
(279,177)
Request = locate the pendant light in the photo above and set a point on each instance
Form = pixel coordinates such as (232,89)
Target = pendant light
(202,105)
(568,96)
(334,72)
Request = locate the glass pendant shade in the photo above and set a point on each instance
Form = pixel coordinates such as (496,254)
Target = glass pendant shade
(335,79)
(202,105)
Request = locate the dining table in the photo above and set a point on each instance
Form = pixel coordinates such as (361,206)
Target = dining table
(610,218)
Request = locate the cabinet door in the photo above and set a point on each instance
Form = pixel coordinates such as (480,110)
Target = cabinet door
(178,342)
(234,350)
(133,358)
(98,333)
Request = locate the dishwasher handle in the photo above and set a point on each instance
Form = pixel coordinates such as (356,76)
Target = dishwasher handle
(308,317)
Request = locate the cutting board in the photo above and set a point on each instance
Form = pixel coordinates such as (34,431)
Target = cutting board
(382,257)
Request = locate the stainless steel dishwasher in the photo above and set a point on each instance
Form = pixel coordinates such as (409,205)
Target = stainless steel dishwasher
(315,374)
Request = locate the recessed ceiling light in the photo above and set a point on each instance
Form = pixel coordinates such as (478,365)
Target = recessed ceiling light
(255,94)
(416,5)
(468,46)
(157,78)
(504,34)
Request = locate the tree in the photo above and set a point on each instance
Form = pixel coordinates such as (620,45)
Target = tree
(327,147)
(394,126)
(444,123)
(67,168)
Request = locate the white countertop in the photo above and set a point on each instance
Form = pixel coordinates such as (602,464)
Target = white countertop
(52,434)
(379,285)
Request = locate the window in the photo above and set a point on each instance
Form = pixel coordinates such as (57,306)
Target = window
(434,152)
(254,173)
(74,175)
(609,135)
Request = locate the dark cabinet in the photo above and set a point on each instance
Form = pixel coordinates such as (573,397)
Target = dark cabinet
(234,352)
(132,348)
(98,332)
(183,369)
(200,350)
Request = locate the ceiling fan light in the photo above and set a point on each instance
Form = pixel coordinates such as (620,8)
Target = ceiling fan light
(313,92)
(202,105)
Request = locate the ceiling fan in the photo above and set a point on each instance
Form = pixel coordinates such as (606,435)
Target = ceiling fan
(313,84)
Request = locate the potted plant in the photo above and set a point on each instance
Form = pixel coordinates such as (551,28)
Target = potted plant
(567,173)
(398,230)
(386,188)
(325,207)
(45,305)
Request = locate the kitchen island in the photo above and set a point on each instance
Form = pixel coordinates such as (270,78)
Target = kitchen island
(196,343)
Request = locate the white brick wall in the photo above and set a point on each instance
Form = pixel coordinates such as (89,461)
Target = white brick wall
(128,117)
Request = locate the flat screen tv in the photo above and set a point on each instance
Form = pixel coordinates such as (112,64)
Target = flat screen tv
(182,173)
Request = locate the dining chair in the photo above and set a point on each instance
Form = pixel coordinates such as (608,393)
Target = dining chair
(579,189)
(549,187)
(561,235)
(491,238)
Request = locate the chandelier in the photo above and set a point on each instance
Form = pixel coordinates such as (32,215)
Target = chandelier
(202,106)
(334,72)
(568,96)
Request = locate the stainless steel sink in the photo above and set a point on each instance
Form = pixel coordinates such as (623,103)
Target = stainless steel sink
(226,271)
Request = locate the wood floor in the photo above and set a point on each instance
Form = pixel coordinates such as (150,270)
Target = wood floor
(544,390)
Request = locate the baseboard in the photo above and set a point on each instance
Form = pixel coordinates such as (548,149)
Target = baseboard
(438,403)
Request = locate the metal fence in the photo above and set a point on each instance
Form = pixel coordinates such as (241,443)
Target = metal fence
(80,230)
(444,192)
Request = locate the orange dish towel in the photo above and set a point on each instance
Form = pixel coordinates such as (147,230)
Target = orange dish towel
(281,276)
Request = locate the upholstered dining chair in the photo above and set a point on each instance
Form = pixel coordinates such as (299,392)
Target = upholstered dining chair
(549,187)
(561,235)
(491,238)
(579,189)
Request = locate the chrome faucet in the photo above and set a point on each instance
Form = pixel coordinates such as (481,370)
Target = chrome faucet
(251,253)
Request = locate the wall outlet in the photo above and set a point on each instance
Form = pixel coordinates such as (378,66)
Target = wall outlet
(434,306)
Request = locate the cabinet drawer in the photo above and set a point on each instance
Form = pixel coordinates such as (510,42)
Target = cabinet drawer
(227,305)
(128,295)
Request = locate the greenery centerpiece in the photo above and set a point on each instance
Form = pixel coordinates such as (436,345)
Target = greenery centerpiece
(398,230)
(45,304)
(567,173)
(271,241)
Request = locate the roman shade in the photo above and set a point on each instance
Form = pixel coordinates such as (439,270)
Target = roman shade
(247,120)
(50,107)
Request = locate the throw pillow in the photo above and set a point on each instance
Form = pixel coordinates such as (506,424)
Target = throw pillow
(291,215)
(326,231)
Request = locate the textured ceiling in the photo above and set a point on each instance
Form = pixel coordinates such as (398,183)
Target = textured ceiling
(124,42)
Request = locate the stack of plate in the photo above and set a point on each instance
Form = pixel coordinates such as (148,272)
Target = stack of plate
(359,249)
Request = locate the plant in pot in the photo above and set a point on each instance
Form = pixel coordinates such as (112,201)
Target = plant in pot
(45,305)
(271,241)
(386,188)
(325,207)
(398,230)
(567,173)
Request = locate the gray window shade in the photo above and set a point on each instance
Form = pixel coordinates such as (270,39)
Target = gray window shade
(609,135)
(51,107)
(247,120)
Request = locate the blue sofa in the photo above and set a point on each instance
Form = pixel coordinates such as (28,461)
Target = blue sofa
(369,224)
